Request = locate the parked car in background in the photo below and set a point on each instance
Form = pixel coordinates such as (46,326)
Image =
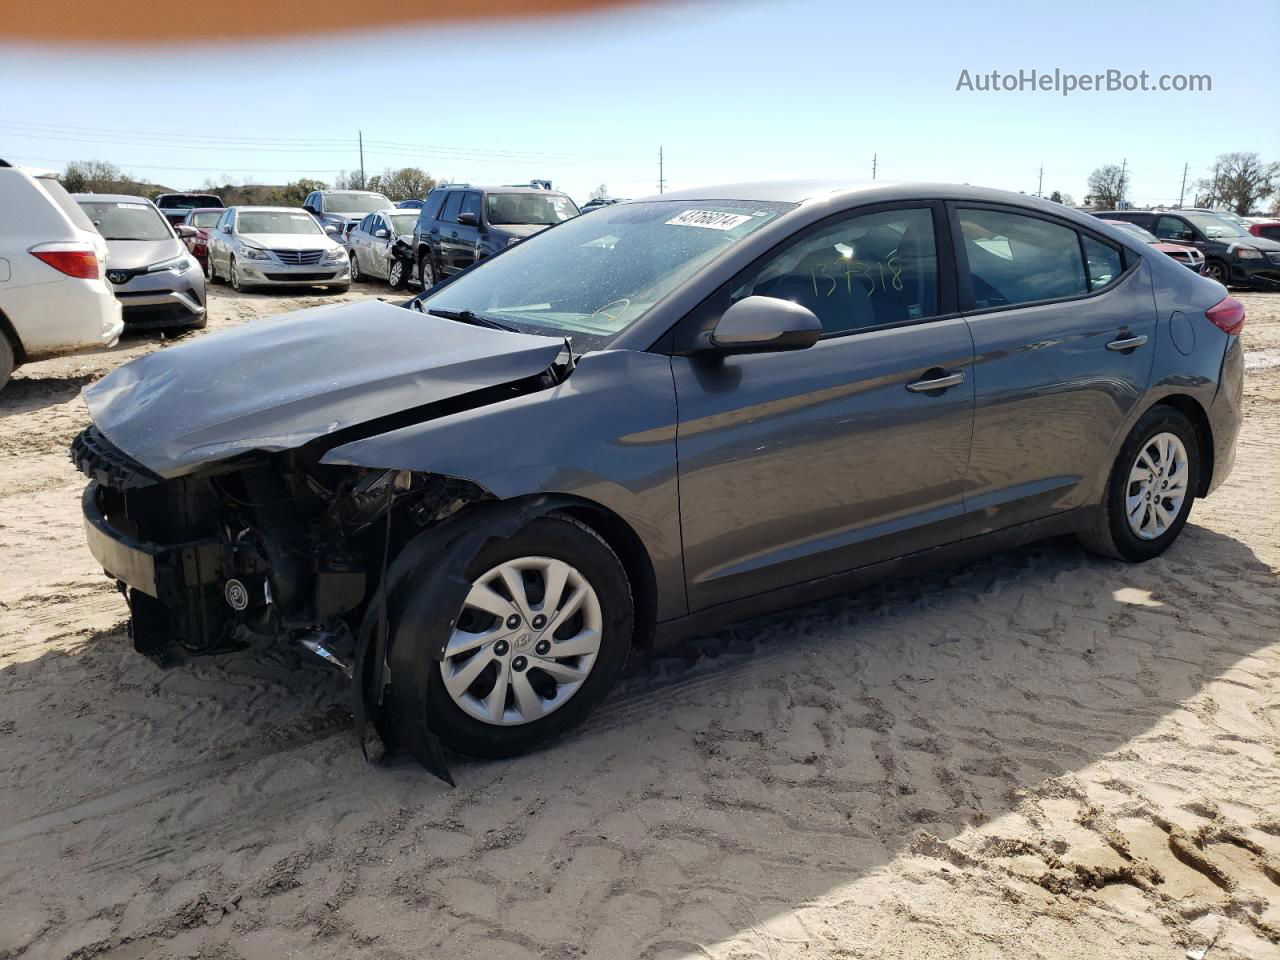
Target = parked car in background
(854,394)
(175,206)
(152,273)
(341,209)
(461,224)
(202,220)
(1186,255)
(53,297)
(1232,254)
(380,247)
(1267,229)
(599,202)
(410,204)
(275,247)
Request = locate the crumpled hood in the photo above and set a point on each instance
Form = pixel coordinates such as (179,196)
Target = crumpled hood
(132,254)
(276,384)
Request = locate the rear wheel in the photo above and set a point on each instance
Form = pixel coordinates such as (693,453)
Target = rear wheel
(7,360)
(541,637)
(355,267)
(1148,496)
(213,271)
(425,272)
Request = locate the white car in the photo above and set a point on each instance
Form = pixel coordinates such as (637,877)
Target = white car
(275,247)
(53,298)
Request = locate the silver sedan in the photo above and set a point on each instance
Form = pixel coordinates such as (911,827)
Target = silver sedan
(275,247)
(371,246)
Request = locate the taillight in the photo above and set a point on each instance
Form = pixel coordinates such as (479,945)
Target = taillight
(1227,315)
(75,262)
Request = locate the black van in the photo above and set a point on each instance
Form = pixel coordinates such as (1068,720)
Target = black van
(1232,255)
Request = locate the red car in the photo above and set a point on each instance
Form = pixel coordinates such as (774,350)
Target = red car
(1187,255)
(1267,229)
(203,219)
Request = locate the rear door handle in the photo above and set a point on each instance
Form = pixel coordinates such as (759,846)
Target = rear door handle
(1127,343)
(938,383)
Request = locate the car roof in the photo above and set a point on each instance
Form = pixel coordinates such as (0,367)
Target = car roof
(111,198)
(499,188)
(259,208)
(372,193)
(807,191)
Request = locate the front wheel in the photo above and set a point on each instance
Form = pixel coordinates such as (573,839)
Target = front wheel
(541,637)
(7,360)
(1149,493)
(1217,270)
(236,284)
(398,274)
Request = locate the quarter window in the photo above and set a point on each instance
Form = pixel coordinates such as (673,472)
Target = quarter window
(1019,259)
(1103,262)
(863,271)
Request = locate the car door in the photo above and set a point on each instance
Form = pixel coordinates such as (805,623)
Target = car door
(447,238)
(1063,324)
(797,465)
(468,239)
(358,241)
(218,238)
(380,240)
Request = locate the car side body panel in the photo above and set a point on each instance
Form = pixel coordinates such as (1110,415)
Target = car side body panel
(606,435)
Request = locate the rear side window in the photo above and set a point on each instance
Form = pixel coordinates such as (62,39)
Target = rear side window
(58,194)
(860,272)
(1103,261)
(451,207)
(1019,259)
(431,209)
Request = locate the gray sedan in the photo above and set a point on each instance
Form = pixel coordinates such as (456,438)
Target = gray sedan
(372,242)
(644,423)
(153,275)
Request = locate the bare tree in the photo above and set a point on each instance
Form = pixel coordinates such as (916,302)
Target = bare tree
(348,180)
(1107,186)
(600,193)
(93,176)
(1240,181)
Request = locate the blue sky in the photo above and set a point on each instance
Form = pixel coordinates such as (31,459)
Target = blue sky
(731,91)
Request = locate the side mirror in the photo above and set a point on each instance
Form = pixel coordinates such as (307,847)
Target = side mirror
(381,233)
(185,231)
(469,218)
(763,325)
(226,228)
(331,228)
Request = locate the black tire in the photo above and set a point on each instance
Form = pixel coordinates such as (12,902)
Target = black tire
(236,284)
(398,273)
(8,361)
(426,272)
(562,538)
(1217,270)
(213,274)
(355,267)
(1111,535)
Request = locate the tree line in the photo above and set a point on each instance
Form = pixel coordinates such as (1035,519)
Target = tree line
(1240,182)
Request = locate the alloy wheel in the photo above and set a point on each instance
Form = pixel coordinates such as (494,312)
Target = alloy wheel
(235,276)
(1157,486)
(395,274)
(426,274)
(355,267)
(524,643)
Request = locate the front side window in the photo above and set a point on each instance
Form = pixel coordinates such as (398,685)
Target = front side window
(591,278)
(532,207)
(1020,259)
(126,220)
(1103,262)
(863,271)
(471,204)
(1173,228)
(1215,227)
(276,221)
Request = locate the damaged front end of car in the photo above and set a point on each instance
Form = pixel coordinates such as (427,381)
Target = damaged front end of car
(220,522)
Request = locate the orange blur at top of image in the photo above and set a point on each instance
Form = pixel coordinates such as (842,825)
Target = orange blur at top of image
(137,22)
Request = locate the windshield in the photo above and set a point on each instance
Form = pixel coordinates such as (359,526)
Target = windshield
(126,220)
(541,208)
(591,278)
(403,223)
(1214,227)
(181,202)
(1145,234)
(355,202)
(276,221)
(205,219)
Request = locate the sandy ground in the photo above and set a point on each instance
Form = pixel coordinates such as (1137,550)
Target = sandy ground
(1039,755)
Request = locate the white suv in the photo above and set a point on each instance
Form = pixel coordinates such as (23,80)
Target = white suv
(53,299)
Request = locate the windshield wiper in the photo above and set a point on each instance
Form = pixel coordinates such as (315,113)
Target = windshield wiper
(473,318)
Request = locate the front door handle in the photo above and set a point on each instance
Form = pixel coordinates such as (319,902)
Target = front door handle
(938,383)
(1127,343)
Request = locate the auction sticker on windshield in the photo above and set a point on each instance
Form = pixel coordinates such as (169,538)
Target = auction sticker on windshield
(709,219)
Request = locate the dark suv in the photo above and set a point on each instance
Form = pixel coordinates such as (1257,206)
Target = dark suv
(1232,255)
(460,224)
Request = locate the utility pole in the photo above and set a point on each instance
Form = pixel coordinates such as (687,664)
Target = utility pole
(361,135)
(662,181)
(873,166)
(1124,164)
(1040,185)
(1183,192)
